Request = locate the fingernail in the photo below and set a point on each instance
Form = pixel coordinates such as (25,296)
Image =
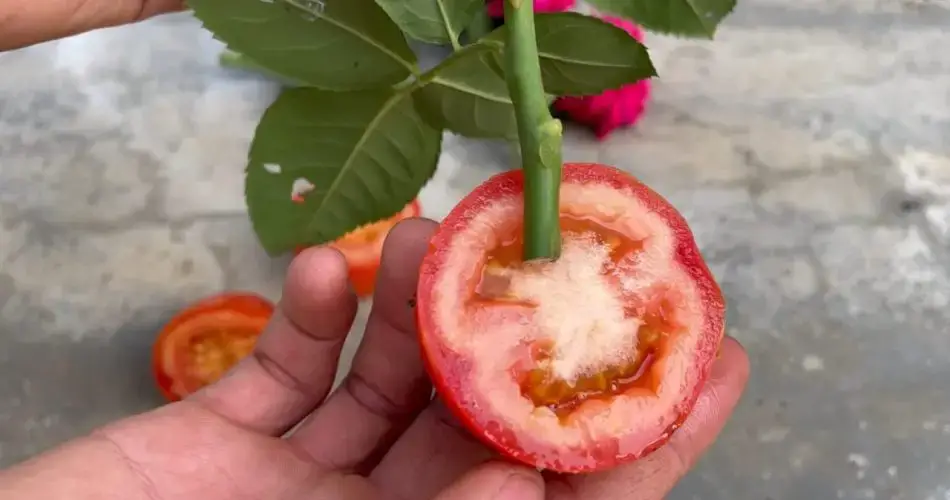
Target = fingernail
(519,487)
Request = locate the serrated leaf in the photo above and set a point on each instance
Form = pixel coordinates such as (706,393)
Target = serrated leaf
(463,94)
(432,21)
(329,44)
(583,55)
(364,154)
(689,18)
(235,60)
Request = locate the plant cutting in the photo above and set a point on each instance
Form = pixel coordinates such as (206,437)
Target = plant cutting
(564,311)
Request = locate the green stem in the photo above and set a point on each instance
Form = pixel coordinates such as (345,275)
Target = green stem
(538,132)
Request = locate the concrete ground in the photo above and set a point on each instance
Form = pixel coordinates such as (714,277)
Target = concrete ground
(807,145)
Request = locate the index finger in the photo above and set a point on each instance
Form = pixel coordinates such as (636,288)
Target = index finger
(293,364)
(387,384)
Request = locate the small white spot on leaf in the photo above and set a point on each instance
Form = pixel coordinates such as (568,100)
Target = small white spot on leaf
(300,188)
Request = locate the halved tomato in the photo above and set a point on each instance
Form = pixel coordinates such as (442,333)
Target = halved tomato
(576,364)
(363,248)
(205,340)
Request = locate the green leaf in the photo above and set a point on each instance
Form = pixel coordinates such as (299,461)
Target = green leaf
(463,94)
(329,44)
(364,155)
(432,21)
(583,55)
(690,18)
(235,60)
(480,26)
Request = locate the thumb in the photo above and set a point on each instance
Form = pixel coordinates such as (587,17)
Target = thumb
(27,23)
(496,481)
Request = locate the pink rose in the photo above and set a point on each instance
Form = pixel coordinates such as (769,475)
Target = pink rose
(614,108)
(496,8)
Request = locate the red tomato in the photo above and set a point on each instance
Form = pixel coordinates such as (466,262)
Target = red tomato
(363,248)
(581,363)
(205,340)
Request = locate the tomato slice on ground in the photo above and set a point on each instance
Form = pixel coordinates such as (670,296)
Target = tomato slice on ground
(363,248)
(581,363)
(205,340)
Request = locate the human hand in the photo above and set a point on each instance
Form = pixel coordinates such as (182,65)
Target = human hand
(29,22)
(378,436)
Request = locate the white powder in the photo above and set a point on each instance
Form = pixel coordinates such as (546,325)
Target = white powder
(578,309)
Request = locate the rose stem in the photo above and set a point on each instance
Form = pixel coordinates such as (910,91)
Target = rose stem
(538,132)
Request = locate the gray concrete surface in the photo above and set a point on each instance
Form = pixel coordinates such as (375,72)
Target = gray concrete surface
(809,146)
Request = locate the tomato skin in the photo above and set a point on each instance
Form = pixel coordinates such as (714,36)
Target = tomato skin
(363,259)
(244,307)
(452,371)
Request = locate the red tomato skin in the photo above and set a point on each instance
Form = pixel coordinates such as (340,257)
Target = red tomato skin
(450,370)
(245,303)
(363,268)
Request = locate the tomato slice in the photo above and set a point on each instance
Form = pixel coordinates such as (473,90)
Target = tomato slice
(363,248)
(581,363)
(205,340)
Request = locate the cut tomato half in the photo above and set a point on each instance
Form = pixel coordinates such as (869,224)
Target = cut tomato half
(363,248)
(205,340)
(576,364)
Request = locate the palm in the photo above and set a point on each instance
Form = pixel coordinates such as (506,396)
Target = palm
(168,446)
(379,436)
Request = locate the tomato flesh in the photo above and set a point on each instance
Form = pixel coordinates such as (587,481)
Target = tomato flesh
(580,363)
(206,339)
(210,353)
(537,379)
(363,247)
